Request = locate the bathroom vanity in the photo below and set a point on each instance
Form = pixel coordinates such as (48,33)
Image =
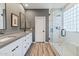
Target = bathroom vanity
(16,44)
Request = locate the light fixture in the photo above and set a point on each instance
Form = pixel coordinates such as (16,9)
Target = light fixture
(26,5)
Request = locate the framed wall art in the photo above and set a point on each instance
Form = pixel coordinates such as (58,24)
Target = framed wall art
(14,20)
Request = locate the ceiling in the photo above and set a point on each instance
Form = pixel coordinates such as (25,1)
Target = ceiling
(44,5)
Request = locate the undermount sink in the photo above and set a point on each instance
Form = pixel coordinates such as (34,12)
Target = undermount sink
(6,38)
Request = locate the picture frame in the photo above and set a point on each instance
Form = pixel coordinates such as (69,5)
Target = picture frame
(14,20)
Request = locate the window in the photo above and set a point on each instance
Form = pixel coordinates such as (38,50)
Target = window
(71,18)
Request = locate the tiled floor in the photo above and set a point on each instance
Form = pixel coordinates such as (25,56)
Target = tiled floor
(40,49)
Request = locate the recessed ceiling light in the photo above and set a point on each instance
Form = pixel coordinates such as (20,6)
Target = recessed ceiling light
(26,5)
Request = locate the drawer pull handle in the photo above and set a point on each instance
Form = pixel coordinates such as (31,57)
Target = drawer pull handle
(15,48)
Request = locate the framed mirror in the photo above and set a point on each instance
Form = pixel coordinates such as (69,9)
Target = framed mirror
(2,15)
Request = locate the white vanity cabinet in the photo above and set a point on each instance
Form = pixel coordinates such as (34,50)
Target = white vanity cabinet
(18,47)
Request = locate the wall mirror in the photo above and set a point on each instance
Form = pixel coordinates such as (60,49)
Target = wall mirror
(2,15)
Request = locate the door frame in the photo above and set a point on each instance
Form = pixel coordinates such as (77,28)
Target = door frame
(45,28)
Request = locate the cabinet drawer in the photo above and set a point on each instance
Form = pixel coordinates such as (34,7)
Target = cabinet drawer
(8,49)
(17,51)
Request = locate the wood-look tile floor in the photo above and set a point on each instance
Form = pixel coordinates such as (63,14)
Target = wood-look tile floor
(40,49)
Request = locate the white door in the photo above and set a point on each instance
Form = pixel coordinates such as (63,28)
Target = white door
(40,22)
